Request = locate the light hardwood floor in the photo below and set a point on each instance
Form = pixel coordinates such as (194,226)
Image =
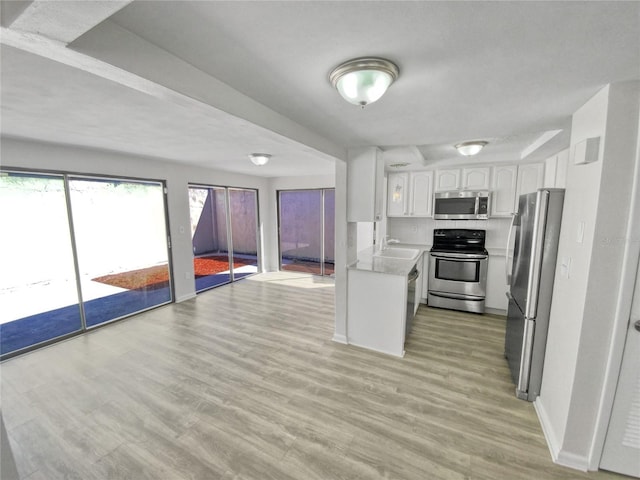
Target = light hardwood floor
(244,382)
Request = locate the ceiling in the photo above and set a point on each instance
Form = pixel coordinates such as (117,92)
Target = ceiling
(252,76)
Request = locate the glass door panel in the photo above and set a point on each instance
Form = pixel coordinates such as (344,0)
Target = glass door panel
(121,243)
(211,258)
(329,231)
(301,231)
(243,212)
(38,289)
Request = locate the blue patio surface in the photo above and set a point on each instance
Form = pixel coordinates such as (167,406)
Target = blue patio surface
(41,327)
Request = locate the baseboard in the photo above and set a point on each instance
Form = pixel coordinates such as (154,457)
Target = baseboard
(340,338)
(547,430)
(393,354)
(495,311)
(186,297)
(571,460)
(564,458)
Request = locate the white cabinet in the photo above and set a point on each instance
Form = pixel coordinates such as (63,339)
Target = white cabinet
(421,194)
(365,184)
(410,194)
(530,179)
(447,180)
(496,298)
(503,190)
(555,170)
(476,178)
(397,194)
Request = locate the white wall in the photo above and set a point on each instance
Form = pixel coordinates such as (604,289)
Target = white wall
(584,302)
(47,157)
(420,230)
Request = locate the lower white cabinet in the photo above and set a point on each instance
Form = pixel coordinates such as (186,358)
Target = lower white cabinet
(496,298)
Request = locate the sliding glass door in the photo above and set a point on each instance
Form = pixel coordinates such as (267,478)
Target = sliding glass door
(76,252)
(38,291)
(306,225)
(121,241)
(243,214)
(224,232)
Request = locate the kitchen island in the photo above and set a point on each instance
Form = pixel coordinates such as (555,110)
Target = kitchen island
(377,299)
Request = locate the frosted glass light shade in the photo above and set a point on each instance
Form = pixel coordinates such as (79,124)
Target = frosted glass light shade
(363,80)
(259,158)
(470,148)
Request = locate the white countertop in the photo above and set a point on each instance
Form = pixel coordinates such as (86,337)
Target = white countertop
(392,266)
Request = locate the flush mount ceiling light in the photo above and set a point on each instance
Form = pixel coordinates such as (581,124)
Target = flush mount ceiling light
(363,80)
(259,158)
(470,148)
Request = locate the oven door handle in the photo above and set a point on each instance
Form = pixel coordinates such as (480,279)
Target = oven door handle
(460,256)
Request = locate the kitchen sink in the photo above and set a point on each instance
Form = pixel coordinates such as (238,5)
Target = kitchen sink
(401,253)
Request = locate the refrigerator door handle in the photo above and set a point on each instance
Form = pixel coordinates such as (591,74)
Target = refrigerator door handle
(506,257)
(525,359)
(539,223)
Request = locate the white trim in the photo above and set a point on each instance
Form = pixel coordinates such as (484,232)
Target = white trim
(340,339)
(571,460)
(547,429)
(386,352)
(186,297)
(621,317)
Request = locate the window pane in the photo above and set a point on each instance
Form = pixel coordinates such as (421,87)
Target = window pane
(243,209)
(209,237)
(301,230)
(38,291)
(121,242)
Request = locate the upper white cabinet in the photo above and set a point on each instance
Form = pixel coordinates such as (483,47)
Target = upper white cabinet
(476,178)
(503,190)
(365,184)
(447,180)
(397,194)
(421,194)
(530,179)
(410,194)
(555,170)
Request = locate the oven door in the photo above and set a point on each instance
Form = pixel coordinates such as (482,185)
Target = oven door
(459,273)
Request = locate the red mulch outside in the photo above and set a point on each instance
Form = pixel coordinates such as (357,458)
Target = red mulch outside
(158,276)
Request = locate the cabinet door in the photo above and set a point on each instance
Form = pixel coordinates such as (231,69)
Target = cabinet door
(503,190)
(561,169)
(397,194)
(421,197)
(447,180)
(530,179)
(365,177)
(475,178)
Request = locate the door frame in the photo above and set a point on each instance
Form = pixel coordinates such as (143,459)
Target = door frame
(630,270)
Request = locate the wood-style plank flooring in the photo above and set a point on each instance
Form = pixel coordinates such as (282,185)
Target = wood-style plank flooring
(244,382)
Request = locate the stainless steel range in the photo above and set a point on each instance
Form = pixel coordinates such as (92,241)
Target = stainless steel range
(458,270)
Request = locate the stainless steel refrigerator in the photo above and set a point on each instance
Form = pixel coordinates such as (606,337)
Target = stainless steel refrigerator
(536,226)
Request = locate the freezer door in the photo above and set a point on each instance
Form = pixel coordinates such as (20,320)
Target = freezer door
(513,339)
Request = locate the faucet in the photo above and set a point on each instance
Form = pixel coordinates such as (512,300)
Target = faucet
(386,241)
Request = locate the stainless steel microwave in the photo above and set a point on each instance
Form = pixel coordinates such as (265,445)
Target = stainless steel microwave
(461,205)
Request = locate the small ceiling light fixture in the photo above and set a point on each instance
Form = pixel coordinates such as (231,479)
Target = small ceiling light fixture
(259,158)
(363,80)
(470,148)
